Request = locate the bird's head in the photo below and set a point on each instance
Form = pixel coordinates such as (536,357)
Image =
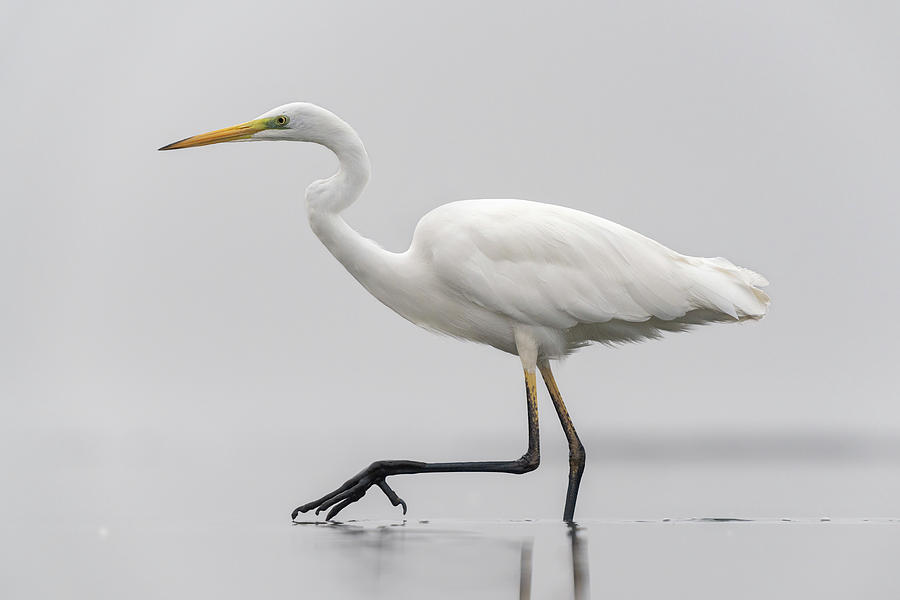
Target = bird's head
(297,121)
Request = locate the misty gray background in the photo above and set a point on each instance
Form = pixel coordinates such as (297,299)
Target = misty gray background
(178,348)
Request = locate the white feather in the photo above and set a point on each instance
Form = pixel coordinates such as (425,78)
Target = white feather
(501,272)
(585,277)
(536,280)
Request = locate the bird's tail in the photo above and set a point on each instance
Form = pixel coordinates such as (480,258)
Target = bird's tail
(723,286)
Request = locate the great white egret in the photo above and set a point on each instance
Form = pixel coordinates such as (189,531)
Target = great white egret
(535,280)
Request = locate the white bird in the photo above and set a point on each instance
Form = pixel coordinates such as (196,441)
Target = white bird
(535,280)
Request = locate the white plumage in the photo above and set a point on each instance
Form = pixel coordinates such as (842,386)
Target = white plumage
(532,279)
(492,270)
(570,276)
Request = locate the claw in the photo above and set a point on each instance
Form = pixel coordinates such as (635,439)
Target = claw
(352,490)
(391,494)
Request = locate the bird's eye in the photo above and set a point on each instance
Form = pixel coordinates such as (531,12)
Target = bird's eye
(281,121)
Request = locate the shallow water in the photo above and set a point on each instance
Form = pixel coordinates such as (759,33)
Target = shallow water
(184,519)
(699,557)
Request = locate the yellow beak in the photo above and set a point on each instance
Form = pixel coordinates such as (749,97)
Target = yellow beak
(229,134)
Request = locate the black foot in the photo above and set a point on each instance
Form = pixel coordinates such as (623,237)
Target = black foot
(354,489)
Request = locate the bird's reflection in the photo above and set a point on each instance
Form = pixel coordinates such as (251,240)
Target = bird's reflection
(471,553)
(526,561)
(581,580)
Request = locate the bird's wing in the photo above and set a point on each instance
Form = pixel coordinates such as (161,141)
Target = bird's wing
(557,267)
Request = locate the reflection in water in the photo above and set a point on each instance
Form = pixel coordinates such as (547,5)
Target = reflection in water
(581,581)
(580,569)
(525,569)
(452,559)
(548,559)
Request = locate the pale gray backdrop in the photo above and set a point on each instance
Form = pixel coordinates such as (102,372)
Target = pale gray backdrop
(176,344)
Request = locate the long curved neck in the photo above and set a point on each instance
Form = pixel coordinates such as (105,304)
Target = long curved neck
(368,262)
(332,195)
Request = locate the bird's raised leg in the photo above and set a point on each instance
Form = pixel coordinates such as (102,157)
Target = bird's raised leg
(576,449)
(375,474)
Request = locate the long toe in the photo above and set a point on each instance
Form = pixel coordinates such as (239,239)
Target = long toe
(352,490)
(353,494)
(334,511)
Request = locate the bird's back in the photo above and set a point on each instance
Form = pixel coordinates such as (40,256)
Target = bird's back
(586,277)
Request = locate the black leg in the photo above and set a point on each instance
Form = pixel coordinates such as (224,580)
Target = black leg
(375,474)
(576,449)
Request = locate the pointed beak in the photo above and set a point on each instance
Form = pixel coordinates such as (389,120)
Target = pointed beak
(244,131)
